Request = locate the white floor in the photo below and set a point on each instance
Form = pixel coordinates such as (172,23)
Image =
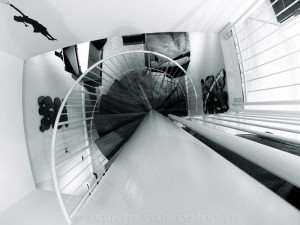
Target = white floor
(165,176)
(37,208)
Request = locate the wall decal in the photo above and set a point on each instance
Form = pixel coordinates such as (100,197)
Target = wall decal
(214,97)
(48,110)
(37,27)
(59,55)
(175,45)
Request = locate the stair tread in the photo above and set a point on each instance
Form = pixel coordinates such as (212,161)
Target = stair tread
(107,123)
(113,105)
(120,115)
(121,88)
(120,130)
(108,142)
(123,100)
(167,98)
(126,103)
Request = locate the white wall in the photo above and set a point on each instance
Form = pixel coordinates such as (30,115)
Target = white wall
(44,75)
(15,173)
(206,59)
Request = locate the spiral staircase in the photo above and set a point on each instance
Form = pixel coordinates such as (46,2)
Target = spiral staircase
(105,106)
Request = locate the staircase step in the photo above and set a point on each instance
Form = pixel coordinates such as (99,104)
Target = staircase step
(158,85)
(145,80)
(145,98)
(125,87)
(110,143)
(121,88)
(110,122)
(126,103)
(170,95)
(118,116)
(180,104)
(126,99)
(149,82)
(130,82)
(115,105)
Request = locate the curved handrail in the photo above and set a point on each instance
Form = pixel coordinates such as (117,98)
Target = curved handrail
(186,91)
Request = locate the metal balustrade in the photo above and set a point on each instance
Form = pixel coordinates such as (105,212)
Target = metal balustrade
(279,129)
(280,163)
(77,163)
(268,53)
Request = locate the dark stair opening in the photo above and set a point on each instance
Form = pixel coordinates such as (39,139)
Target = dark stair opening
(123,107)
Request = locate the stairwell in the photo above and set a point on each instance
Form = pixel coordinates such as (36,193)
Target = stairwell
(110,100)
(126,103)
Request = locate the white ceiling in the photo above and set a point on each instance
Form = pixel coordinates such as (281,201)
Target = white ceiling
(78,21)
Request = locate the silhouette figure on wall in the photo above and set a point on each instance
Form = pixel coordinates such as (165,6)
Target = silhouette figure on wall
(37,27)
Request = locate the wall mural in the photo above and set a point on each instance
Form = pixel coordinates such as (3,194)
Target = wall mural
(26,20)
(213,95)
(175,45)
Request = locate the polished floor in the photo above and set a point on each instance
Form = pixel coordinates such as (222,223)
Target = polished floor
(38,207)
(163,175)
